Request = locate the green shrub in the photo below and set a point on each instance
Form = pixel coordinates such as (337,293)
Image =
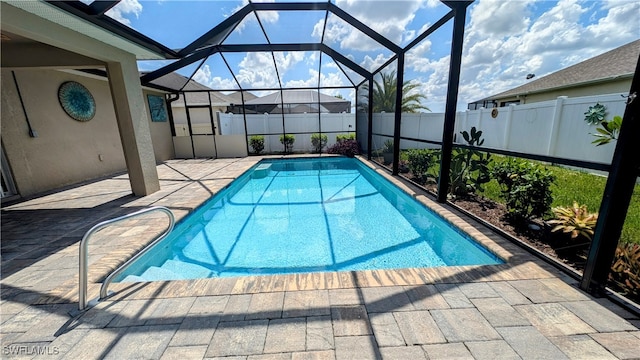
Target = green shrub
(525,187)
(319,141)
(421,162)
(257,143)
(469,167)
(608,131)
(348,148)
(343,137)
(287,140)
(387,148)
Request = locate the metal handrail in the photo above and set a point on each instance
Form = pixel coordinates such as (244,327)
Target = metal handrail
(84,252)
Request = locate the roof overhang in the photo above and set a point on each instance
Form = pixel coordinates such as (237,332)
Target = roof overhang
(49,24)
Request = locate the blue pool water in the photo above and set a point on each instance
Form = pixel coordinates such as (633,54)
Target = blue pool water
(305,215)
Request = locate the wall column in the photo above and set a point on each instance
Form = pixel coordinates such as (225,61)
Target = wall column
(133,123)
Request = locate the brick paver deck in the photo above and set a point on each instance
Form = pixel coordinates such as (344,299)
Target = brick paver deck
(523,309)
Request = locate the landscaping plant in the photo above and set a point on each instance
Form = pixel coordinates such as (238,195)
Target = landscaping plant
(387,151)
(348,148)
(525,187)
(625,272)
(608,131)
(343,137)
(287,140)
(319,141)
(469,167)
(421,163)
(257,143)
(575,220)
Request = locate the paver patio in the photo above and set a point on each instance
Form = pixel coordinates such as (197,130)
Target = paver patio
(522,309)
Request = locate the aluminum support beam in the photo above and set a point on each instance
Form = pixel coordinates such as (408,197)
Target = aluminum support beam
(398,114)
(457,41)
(617,195)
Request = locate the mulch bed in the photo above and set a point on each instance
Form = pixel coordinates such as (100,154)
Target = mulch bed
(538,234)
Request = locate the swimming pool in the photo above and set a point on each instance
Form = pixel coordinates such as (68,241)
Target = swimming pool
(307,215)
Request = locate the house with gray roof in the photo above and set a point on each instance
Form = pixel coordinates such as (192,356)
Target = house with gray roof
(608,73)
(295,102)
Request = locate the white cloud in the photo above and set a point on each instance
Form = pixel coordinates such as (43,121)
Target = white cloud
(620,24)
(499,18)
(433,84)
(204,77)
(285,60)
(343,34)
(123,9)
(373,64)
(257,70)
(270,17)
(506,40)
(326,79)
(388,18)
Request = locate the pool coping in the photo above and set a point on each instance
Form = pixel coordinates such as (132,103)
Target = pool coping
(518,263)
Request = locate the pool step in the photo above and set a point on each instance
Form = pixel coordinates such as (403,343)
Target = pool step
(134,278)
(261,171)
(157,273)
(186,270)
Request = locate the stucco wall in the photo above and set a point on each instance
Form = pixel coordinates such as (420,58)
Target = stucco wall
(611,87)
(66,151)
(160,134)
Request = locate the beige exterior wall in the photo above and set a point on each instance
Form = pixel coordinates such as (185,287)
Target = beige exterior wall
(611,87)
(200,119)
(620,86)
(66,151)
(160,133)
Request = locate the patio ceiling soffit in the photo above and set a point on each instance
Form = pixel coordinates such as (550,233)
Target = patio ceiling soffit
(95,14)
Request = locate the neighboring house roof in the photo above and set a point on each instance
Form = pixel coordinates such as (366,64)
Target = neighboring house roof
(295,97)
(202,98)
(175,82)
(615,64)
(237,98)
(297,101)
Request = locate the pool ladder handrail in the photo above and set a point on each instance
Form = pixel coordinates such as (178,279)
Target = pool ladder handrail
(84,254)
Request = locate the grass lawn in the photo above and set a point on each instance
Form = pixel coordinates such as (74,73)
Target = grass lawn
(584,188)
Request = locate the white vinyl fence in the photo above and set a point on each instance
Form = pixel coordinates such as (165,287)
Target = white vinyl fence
(271,126)
(553,128)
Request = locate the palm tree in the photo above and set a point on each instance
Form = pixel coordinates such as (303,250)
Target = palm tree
(384,95)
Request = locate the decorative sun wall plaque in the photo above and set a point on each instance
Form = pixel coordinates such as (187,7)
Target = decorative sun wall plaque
(77,101)
(157,108)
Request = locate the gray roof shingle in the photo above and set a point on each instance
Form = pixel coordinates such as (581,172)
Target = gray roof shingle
(618,62)
(295,97)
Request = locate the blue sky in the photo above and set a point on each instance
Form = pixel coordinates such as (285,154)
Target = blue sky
(504,41)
